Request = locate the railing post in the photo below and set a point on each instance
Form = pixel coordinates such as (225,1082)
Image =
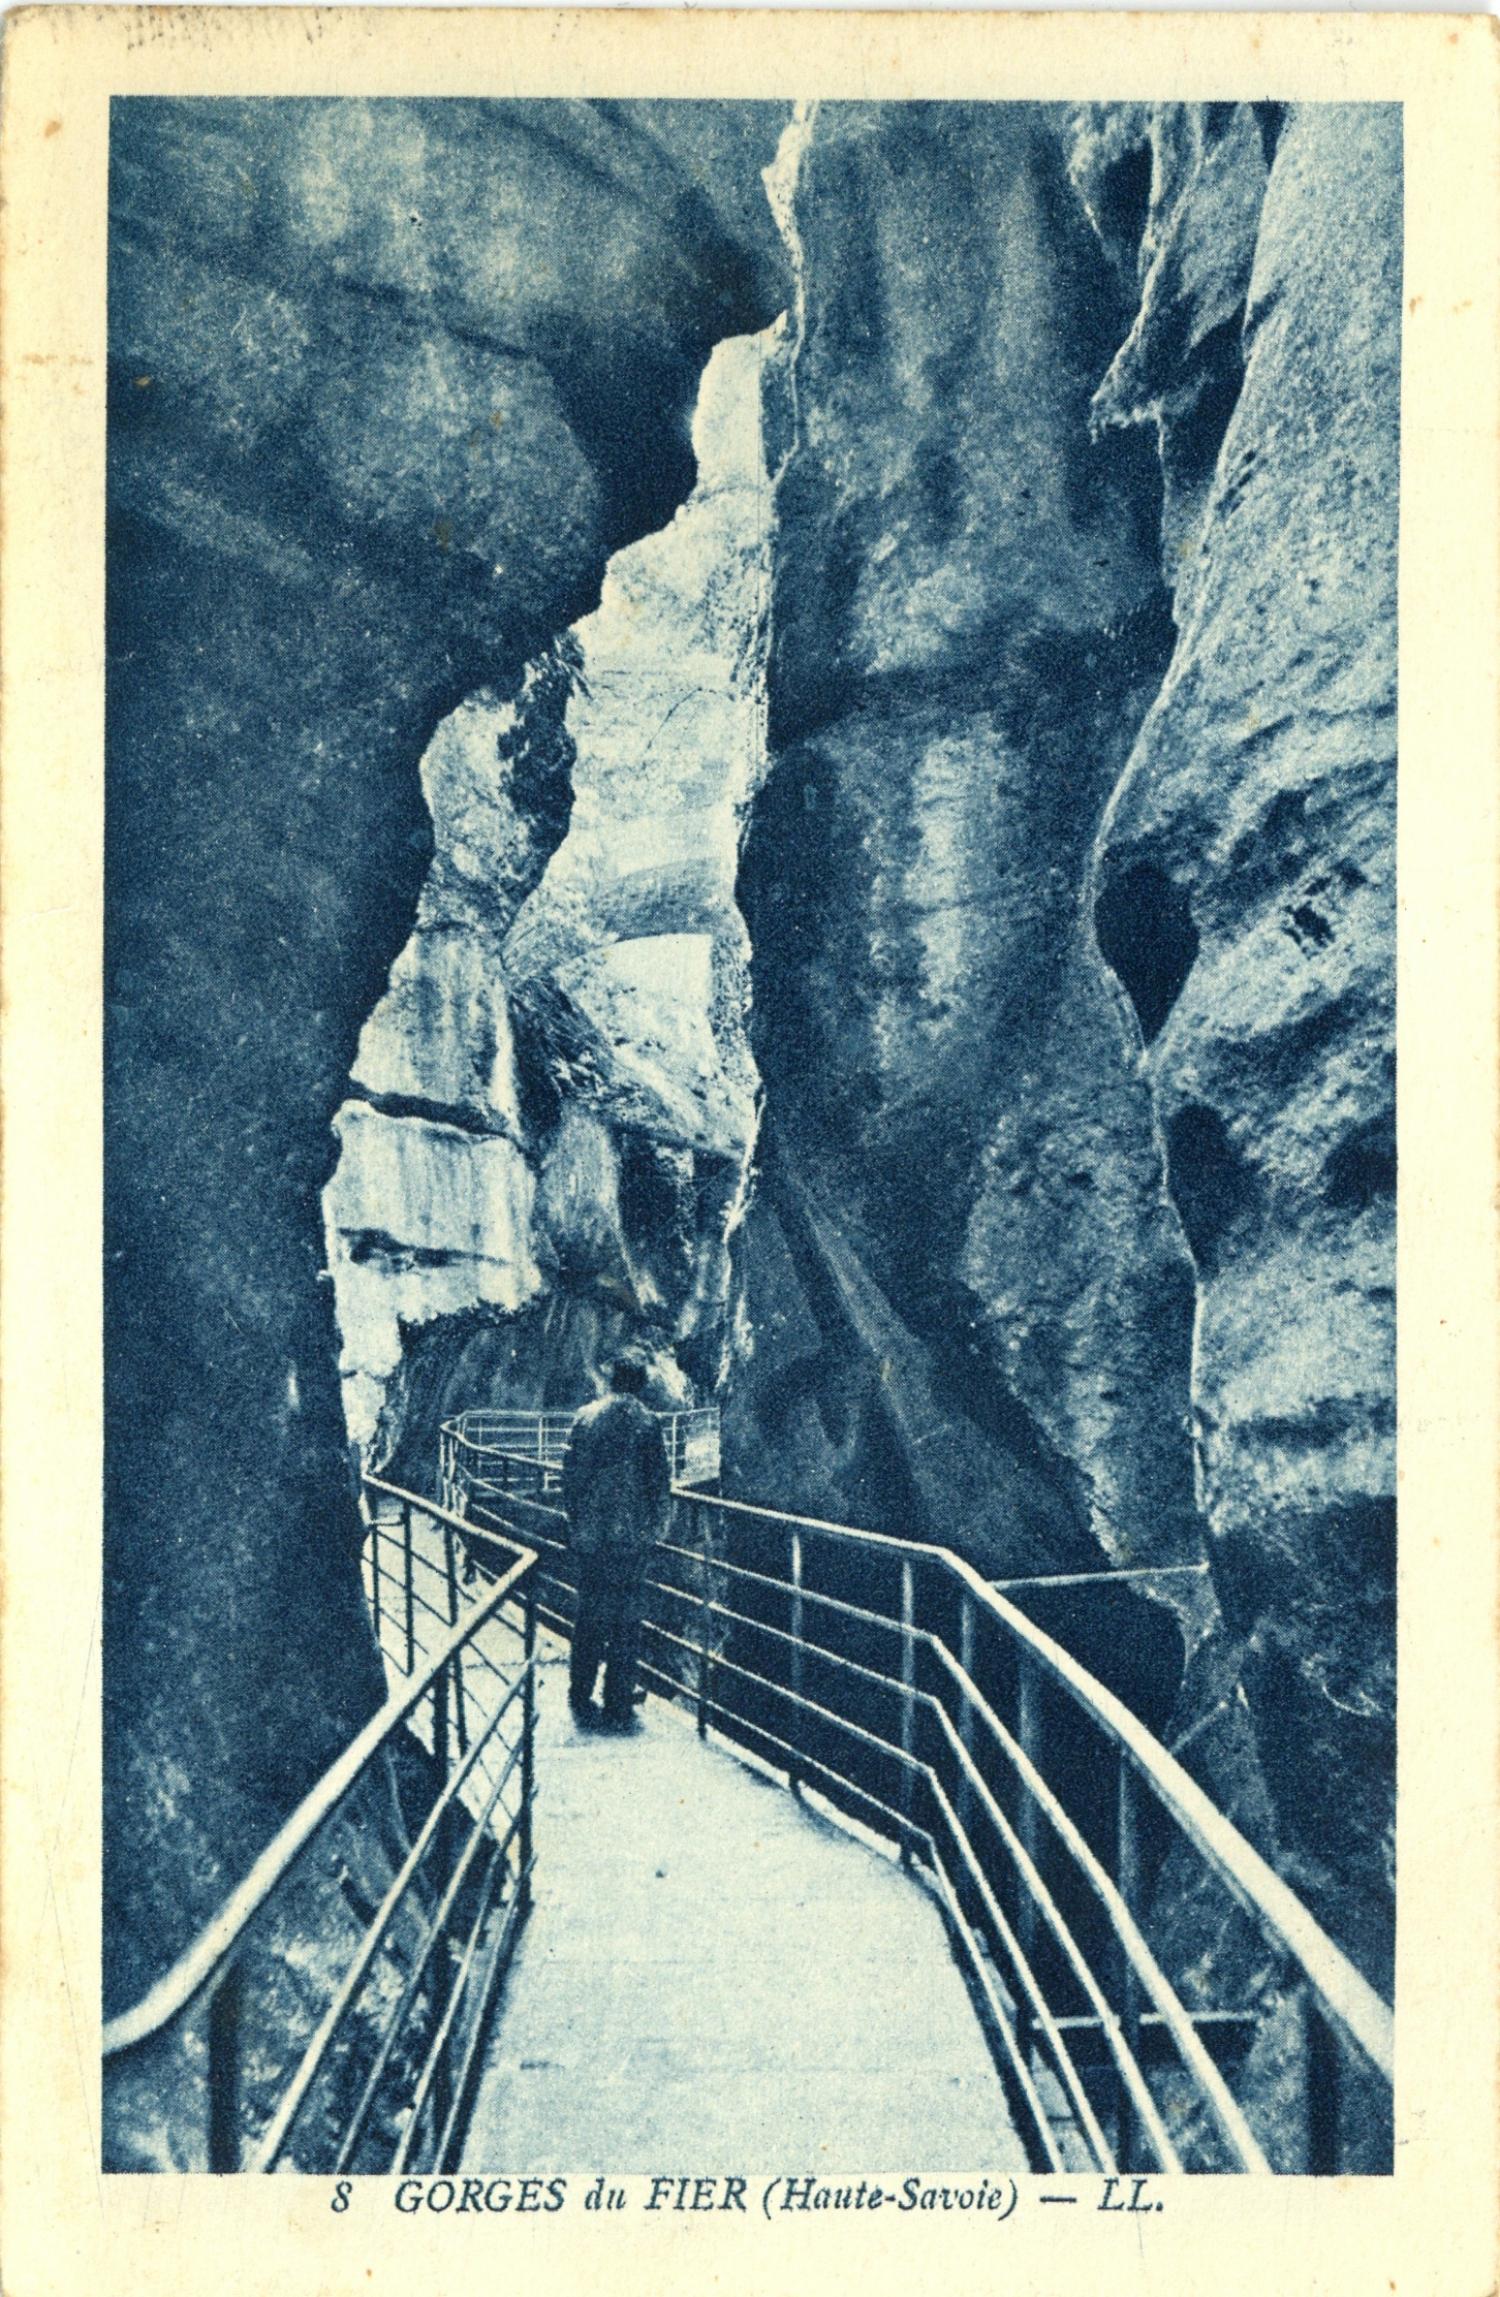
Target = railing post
(966,1705)
(1029,1737)
(460,1711)
(1128,1883)
(224,2072)
(705,1629)
(1323,2078)
(411,1621)
(794,1775)
(446,1851)
(440,1719)
(528,1743)
(908,1703)
(375,1573)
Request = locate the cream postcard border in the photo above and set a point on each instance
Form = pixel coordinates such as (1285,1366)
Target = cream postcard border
(1432,2226)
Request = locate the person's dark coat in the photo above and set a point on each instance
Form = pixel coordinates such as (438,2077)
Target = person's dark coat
(615,1480)
(616,1488)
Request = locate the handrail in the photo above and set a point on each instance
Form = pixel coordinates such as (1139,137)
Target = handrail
(466,1873)
(1056,1884)
(1344,1991)
(912,1834)
(692,1435)
(274,2136)
(1231,2121)
(195,1969)
(511,1499)
(434,1508)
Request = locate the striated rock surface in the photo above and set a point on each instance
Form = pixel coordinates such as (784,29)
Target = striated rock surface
(971,1304)
(1174,192)
(389,382)
(1071,901)
(571,1002)
(1245,895)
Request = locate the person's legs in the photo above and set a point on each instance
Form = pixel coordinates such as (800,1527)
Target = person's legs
(590,1635)
(619,1672)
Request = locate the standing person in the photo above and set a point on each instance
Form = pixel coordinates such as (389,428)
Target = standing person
(616,1486)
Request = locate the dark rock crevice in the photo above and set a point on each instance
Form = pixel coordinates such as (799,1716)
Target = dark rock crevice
(454,1114)
(1213,1186)
(1143,922)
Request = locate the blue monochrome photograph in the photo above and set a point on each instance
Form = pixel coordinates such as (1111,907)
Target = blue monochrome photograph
(750,1144)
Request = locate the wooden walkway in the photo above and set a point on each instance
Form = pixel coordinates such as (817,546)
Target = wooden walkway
(716,1978)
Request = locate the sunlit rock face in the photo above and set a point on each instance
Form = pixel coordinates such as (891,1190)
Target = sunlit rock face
(389,383)
(970,1301)
(558,1101)
(460,1211)
(1245,894)
(633,931)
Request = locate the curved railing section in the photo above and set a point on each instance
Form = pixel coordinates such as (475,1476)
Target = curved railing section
(473,1443)
(332,2015)
(1156,1996)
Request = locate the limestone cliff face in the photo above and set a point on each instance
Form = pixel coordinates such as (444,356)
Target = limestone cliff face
(557,1102)
(1071,899)
(1244,891)
(388,385)
(971,1303)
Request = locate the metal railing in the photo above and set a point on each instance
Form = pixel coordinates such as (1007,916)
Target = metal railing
(1156,1996)
(332,2016)
(473,1441)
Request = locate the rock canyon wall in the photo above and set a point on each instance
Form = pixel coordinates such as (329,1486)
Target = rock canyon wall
(557,1102)
(800,772)
(1071,896)
(389,384)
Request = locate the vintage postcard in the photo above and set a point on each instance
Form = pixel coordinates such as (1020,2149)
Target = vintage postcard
(749,1424)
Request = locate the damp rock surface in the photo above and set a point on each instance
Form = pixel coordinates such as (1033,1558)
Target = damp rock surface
(1260,798)
(1071,901)
(389,383)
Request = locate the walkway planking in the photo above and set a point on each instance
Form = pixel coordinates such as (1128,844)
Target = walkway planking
(716,1978)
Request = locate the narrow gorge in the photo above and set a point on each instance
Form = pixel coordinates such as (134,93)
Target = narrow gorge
(769,737)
